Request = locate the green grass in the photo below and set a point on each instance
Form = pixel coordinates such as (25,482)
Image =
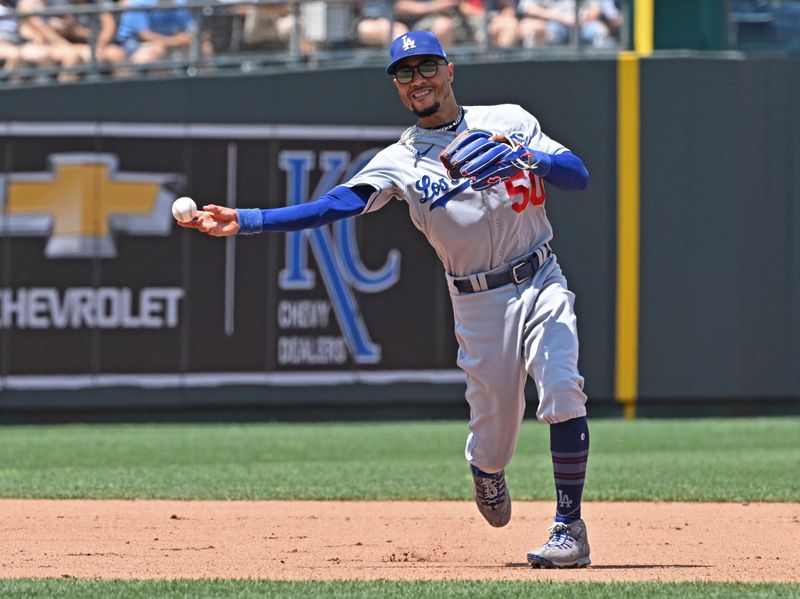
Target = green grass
(694,460)
(86,589)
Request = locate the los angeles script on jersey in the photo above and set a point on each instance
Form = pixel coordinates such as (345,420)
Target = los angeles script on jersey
(433,189)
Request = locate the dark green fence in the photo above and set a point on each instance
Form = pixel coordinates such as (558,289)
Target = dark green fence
(720,291)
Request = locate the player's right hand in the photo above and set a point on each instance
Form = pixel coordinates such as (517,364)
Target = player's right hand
(217,221)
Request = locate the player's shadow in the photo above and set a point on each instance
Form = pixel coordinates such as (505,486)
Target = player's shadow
(619,566)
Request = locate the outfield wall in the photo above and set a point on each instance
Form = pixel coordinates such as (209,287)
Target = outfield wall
(98,288)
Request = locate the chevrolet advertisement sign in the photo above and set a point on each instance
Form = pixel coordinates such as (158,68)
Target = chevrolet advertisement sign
(98,286)
(80,199)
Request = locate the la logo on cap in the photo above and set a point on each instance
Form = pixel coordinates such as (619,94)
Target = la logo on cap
(408,43)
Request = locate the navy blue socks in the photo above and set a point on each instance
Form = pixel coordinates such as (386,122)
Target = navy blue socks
(569,446)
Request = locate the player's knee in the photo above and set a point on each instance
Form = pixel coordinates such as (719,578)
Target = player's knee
(561,399)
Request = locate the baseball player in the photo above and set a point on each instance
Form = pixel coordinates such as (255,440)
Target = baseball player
(473,179)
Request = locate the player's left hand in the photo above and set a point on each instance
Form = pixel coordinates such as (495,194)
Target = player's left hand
(217,221)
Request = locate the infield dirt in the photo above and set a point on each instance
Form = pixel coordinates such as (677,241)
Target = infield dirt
(323,540)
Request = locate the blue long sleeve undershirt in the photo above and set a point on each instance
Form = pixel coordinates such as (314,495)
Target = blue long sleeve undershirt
(565,171)
(340,202)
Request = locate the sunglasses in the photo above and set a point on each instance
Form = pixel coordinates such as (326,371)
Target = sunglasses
(427,69)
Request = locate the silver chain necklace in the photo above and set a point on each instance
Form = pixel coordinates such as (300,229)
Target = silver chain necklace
(449,126)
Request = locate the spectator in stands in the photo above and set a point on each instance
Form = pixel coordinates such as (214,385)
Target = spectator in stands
(9,38)
(441,17)
(550,22)
(17,52)
(328,25)
(501,22)
(78,30)
(80,27)
(270,27)
(41,30)
(611,15)
(270,24)
(376,25)
(253,28)
(150,36)
(44,39)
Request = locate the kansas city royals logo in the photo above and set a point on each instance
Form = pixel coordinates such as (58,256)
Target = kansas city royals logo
(337,255)
(408,43)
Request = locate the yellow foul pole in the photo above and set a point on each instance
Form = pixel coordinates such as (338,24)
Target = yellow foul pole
(626,378)
(643,27)
(627,317)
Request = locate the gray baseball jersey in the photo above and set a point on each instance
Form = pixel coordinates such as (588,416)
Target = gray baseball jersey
(504,333)
(471,231)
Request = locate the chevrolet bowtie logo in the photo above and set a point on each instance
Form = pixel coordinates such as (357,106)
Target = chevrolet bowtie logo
(81,200)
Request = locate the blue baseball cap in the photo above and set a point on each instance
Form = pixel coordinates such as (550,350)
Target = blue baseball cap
(414,43)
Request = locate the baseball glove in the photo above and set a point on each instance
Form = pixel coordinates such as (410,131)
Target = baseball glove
(486,158)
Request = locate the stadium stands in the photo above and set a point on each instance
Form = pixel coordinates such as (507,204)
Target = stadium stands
(255,34)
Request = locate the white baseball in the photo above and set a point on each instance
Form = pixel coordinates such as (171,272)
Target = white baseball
(184,209)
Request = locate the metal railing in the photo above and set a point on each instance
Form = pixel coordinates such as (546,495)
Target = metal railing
(322,32)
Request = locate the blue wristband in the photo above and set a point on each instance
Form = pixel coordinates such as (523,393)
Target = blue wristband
(250,221)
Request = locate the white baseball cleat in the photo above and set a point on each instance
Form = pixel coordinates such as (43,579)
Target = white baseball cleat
(491,496)
(568,547)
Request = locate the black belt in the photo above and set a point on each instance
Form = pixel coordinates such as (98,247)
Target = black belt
(517,272)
